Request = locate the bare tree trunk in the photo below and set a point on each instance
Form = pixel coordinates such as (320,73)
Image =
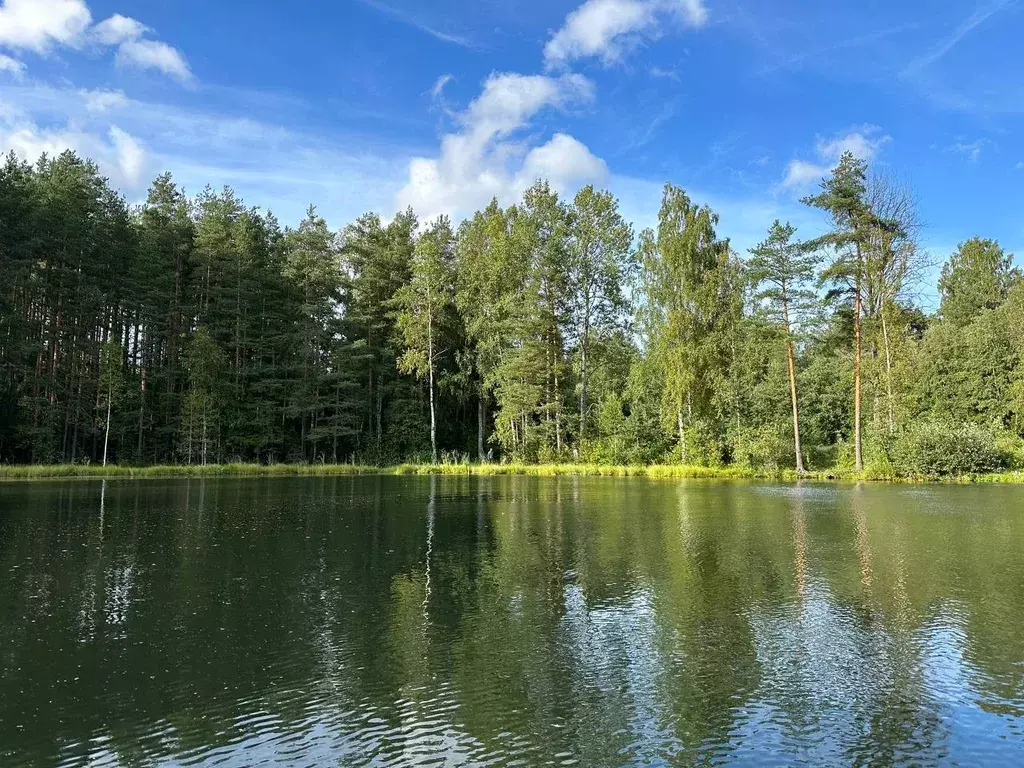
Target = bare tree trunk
(106,434)
(796,413)
(583,377)
(142,410)
(792,388)
(558,418)
(888,372)
(857,447)
(682,437)
(481,418)
(430,375)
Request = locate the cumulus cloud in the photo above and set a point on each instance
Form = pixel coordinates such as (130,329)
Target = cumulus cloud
(118,29)
(120,156)
(483,159)
(38,25)
(8,64)
(607,29)
(130,154)
(864,142)
(563,161)
(152,54)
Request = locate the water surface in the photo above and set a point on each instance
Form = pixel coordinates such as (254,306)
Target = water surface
(386,621)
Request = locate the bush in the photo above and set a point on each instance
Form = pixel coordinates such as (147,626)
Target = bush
(762,448)
(938,448)
(1012,447)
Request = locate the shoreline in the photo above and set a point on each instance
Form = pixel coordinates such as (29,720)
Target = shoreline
(16,472)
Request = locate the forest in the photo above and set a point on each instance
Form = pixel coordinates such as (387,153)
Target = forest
(198,329)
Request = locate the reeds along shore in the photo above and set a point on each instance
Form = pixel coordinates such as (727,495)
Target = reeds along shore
(667,471)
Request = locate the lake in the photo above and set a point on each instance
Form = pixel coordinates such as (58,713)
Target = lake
(392,621)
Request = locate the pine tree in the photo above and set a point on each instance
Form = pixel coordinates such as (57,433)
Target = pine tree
(844,197)
(313,264)
(786,270)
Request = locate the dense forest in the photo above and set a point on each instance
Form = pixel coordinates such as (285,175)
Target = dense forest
(199,330)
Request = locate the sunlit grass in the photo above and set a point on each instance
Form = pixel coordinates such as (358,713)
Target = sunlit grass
(666,471)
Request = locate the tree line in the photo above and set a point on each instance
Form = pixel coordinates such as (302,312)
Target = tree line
(198,329)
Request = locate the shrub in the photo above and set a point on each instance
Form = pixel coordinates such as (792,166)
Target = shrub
(762,448)
(938,448)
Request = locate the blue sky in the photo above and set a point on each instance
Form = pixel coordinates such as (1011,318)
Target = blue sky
(377,104)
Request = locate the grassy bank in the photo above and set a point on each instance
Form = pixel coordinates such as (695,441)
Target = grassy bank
(33,472)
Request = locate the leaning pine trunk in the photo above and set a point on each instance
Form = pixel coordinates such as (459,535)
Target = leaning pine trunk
(857,450)
(106,434)
(796,415)
(792,389)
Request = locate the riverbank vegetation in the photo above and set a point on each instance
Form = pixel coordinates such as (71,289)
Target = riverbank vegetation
(195,331)
(656,471)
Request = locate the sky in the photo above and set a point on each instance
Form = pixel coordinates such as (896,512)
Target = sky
(356,105)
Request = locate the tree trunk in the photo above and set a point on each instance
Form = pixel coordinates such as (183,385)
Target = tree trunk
(682,437)
(583,377)
(142,410)
(481,418)
(857,448)
(106,434)
(792,388)
(558,418)
(796,414)
(430,376)
(888,372)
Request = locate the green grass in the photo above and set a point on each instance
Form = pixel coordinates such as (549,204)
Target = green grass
(32,472)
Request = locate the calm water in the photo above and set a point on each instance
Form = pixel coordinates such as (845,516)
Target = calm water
(509,621)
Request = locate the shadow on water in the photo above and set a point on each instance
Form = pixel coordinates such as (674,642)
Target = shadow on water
(490,620)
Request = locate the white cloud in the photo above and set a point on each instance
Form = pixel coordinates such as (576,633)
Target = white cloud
(438,87)
(131,155)
(269,165)
(152,54)
(483,160)
(103,101)
(8,64)
(865,142)
(119,155)
(118,29)
(563,162)
(38,24)
(970,149)
(661,72)
(607,29)
(801,174)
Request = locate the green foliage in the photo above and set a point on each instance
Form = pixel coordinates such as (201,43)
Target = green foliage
(762,448)
(197,330)
(693,304)
(977,277)
(940,448)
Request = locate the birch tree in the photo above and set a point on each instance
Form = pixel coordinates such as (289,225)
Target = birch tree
(421,307)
